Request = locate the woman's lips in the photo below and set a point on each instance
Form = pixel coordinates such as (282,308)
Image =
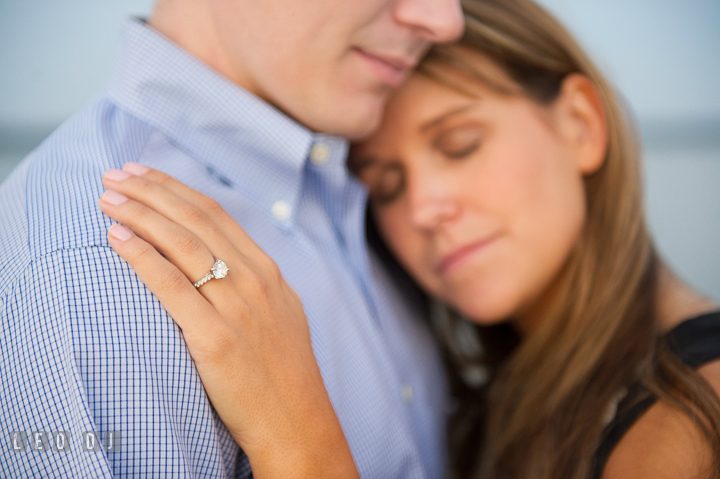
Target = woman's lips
(452,261)
(391,71)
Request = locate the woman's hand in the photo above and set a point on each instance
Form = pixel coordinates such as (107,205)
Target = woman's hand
(247,332)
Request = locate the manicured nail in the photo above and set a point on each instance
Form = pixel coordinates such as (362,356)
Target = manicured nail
(113,197)
(135,168)
(119,233)
(115,175)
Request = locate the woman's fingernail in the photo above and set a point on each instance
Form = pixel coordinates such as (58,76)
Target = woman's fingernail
(113,197)
(135,168)
(115,175)
(119,233)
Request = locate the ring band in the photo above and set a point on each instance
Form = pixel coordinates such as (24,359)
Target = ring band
(218,271)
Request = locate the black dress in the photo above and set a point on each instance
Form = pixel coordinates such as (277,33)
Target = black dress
(696,342)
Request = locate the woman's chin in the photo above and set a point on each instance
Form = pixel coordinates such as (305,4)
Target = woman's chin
(484,312)
(484,300)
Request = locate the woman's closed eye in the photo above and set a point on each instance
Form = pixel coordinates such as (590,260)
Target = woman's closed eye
(459,142)
(386,183)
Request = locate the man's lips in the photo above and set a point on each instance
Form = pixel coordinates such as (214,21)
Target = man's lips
(391,70)
(453,259)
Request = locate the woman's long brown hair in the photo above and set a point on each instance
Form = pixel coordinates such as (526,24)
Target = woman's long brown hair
(543,414)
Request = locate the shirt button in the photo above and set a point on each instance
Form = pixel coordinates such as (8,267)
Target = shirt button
(319,153)
(281,210)
(407,393)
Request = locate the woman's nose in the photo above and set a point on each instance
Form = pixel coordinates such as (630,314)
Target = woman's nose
(432,204)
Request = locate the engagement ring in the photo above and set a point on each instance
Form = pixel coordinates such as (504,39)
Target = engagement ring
(218,271)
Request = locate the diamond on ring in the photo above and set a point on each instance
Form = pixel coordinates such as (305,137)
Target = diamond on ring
(218,271)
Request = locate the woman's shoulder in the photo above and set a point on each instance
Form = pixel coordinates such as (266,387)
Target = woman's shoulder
(665,442)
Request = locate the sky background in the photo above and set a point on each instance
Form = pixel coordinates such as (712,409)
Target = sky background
(662,55)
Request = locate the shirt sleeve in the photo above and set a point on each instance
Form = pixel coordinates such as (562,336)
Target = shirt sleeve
(91,360)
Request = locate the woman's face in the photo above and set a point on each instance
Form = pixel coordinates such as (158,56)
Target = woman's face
(480,198)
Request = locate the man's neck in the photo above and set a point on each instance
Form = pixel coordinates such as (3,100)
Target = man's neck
(190,25)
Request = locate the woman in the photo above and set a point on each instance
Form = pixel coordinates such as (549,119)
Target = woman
(505,181)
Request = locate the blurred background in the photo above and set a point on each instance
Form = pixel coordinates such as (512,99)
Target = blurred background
(663,56)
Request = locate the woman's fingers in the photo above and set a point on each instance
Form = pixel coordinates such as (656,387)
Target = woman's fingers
(182,247)
(165,203)
(207,205)
(185,250)
(180,298)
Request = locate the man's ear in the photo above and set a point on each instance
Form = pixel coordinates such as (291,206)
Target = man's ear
(582,122)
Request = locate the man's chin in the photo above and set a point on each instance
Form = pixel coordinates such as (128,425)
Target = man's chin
(361,131)
(362,123)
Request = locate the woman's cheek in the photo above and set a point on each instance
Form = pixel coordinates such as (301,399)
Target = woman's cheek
(394,227)
(536,203)
(550,225)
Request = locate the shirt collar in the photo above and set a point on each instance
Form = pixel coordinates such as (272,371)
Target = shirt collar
(246,142)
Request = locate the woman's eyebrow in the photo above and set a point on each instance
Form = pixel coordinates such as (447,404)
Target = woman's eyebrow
(436,121)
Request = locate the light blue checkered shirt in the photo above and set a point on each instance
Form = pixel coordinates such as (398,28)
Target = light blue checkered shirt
(86,347)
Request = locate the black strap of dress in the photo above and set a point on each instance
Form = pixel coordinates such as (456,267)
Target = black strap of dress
(696,342)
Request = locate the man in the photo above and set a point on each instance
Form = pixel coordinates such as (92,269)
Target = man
(225,95)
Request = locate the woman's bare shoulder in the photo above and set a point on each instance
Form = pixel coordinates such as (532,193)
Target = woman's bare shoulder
(664,443)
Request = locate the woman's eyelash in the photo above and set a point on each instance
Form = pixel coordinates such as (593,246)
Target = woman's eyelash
(389,186)
(460,141)
(385,199)
(461,153)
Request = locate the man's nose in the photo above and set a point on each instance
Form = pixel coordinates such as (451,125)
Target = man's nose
(438,21)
